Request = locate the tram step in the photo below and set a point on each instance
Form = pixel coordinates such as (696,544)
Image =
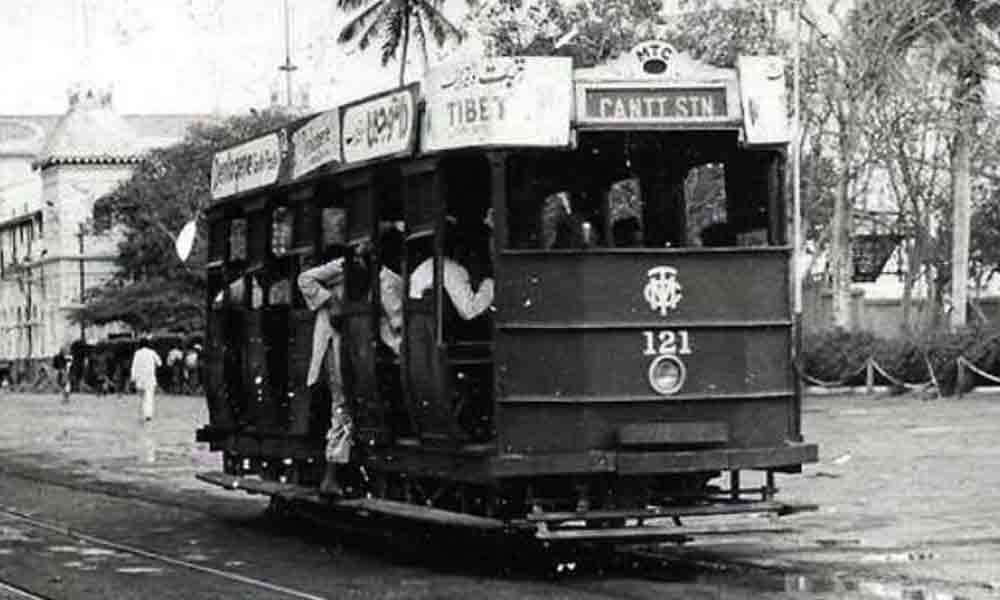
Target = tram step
(726,508)
(290,491)
(630,534)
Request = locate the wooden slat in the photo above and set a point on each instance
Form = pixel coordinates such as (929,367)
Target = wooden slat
(421,513)
(628,533)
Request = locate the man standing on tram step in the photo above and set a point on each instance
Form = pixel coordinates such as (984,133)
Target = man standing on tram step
(322,289)
(144,365)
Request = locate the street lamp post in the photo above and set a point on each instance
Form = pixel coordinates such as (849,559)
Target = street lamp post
(83,327)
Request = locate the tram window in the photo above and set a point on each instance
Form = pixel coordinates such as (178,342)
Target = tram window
(334,226)
(238,239)
(420,203)
(281,230)
(219,232)
(257,235)
(303,226)
(706,201)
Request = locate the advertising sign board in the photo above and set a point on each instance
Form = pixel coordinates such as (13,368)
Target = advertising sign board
(316,143)
(248,166)
(379,126)
(504,101)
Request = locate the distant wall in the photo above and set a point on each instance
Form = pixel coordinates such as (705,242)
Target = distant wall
(881,316)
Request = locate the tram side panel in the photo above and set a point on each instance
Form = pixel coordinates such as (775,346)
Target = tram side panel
(577,333)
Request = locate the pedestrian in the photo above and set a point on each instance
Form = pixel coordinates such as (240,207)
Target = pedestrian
(175,363)
(192,365)
(144,365)
(62,362)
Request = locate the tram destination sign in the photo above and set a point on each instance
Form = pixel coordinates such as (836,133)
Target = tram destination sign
(248,166)
(653,105)
(504,101)
(380,126)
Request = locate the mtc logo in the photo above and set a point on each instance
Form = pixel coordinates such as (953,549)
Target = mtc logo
(663,290)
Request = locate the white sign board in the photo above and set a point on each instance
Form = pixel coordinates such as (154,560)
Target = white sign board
(247,166)
(505,101)
(379,126)
(763,96)
(316,143)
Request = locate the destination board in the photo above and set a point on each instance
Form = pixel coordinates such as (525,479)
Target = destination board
(653,105)
(504,101)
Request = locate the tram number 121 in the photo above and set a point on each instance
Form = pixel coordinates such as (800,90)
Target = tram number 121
(666,342)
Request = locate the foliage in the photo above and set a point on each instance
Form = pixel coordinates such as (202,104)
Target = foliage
(394,22)
(839,356)
(590,31)
(152,289)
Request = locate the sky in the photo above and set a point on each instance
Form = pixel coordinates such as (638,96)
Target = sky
(178,56)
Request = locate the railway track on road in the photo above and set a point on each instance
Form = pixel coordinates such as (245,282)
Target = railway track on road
(60,529)
(9,591)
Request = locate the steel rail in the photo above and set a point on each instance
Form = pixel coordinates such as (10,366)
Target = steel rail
(16,592)
(67,531)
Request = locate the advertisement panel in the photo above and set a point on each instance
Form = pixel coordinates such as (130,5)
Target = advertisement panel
(248,166)
(380,126)
(763,94)
(504,101)
(316,143)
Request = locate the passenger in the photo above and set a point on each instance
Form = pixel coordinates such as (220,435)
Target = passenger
(470,298)
(391,288)
(145,362)
(322,288)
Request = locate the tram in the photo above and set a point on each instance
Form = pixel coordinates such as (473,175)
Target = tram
(636,356)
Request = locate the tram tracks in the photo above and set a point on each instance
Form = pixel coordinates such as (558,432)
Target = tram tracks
(61,529)
(10,591)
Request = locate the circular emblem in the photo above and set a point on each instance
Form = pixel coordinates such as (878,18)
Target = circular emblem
(667,374)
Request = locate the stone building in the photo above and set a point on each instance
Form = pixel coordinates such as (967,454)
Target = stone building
(52,169)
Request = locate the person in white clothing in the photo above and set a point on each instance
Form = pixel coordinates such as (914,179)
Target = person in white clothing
(144,365)
(322,289)
(469,298)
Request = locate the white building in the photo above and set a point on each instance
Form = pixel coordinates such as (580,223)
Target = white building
(52,168)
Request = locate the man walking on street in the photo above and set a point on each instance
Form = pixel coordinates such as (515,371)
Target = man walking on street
(144,365)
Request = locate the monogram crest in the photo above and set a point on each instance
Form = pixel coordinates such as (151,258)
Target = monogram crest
(663,291)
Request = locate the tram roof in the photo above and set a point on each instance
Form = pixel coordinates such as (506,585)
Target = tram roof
(517,102)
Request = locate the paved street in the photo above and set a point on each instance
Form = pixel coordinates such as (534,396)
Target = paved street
(906,488)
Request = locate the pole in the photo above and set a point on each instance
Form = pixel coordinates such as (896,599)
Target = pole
(797,262)
(288,67)
(797,162)
(83,328)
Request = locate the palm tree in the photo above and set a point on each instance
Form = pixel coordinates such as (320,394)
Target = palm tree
(394,22)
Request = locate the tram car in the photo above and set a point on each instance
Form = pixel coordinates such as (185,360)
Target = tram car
(634,356)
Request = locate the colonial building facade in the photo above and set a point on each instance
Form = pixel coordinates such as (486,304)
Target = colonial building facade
(52,169)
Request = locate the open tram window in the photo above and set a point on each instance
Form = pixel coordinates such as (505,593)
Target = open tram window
(645,189)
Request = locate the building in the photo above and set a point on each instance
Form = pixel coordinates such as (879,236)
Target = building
(52,169)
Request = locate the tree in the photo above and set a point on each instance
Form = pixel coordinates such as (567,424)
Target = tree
(395,22)
(965,30)
(152,289)
(590,31)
